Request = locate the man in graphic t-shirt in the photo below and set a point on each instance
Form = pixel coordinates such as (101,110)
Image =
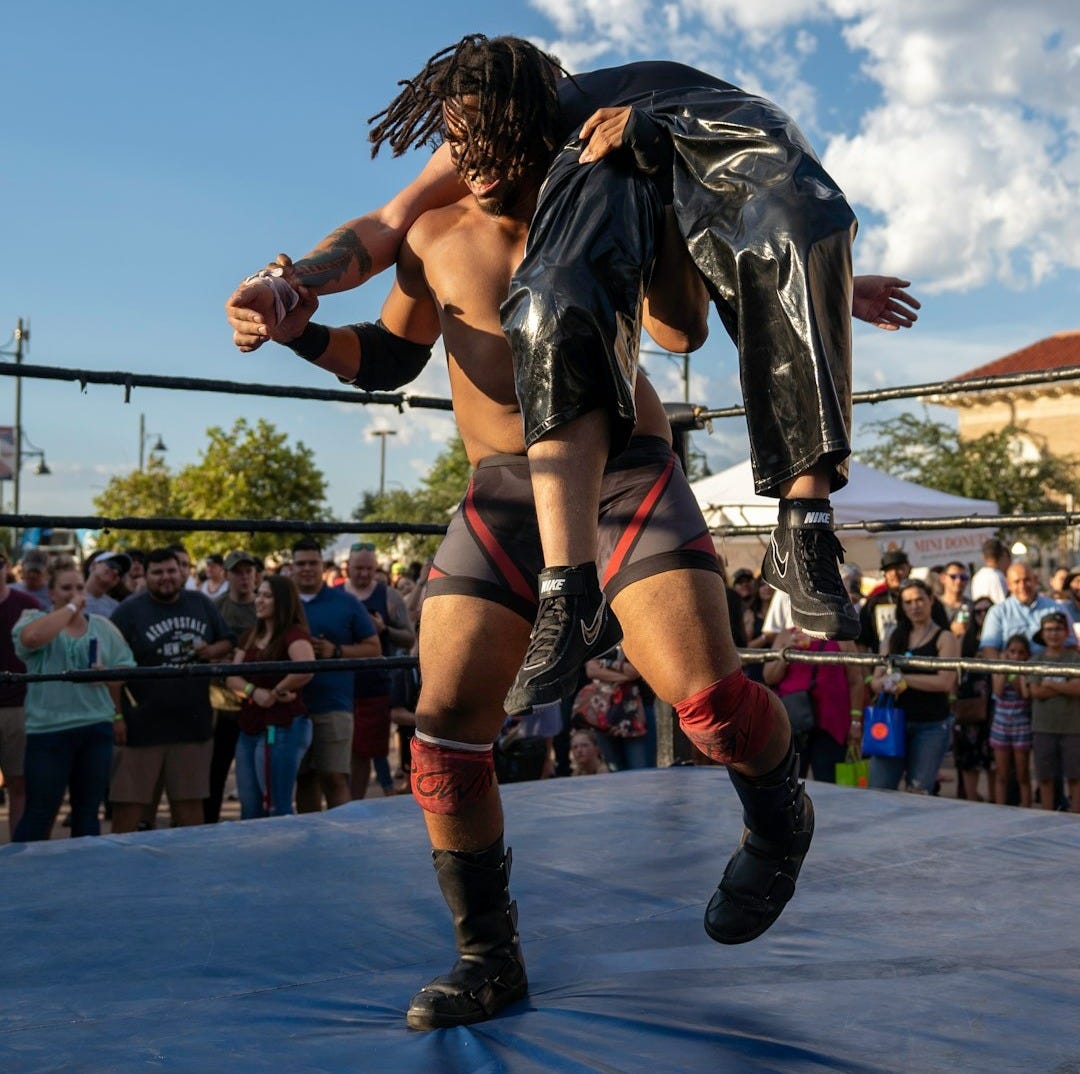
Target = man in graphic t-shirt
(168,722)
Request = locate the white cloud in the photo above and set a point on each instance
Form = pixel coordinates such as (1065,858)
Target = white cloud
(966,169)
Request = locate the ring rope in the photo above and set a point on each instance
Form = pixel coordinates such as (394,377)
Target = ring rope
(1064,519)
(218,525)
(749,656)
(402,399)
(936,388)
(209,671)
(228,387)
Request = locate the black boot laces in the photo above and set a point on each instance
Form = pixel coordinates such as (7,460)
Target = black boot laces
(549,629)
(821,551)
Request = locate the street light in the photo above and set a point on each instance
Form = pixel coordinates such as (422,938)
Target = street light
(31,452)
(144,436)
(382,434)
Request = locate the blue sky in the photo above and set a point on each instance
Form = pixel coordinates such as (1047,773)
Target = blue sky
(154,155)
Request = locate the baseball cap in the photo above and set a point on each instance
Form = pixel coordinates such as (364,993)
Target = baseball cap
(1050,617)
(743,575)
(235,559)
(35,558)
(894,558)
(119,561)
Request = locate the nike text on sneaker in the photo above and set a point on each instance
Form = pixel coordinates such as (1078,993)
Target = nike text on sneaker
(549,587)
(817,518)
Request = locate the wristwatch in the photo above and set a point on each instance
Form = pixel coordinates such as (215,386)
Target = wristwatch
(337,652)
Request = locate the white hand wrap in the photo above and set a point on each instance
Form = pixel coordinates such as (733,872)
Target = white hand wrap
(285,296)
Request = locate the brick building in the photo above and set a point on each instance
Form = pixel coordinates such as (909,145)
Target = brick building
(1048,414)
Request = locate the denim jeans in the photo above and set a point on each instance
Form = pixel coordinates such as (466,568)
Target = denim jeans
(625,754)
(78,759)
(927,744)
(285,753)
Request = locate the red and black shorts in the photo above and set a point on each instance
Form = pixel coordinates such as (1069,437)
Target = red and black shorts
(649,523)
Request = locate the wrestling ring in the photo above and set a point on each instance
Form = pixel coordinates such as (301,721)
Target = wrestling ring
(927,934)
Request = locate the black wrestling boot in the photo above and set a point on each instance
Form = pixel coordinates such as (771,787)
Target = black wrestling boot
(760,878)
(804,560)
(573,624)
(490,970)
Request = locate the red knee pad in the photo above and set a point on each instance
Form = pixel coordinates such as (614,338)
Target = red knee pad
(448,781)
(730,721)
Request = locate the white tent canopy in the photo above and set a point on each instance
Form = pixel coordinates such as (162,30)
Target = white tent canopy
(728,499)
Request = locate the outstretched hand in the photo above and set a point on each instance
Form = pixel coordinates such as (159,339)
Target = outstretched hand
(883,302)
(251,309)
(602,133)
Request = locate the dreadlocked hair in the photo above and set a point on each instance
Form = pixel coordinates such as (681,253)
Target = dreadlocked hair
(515,124)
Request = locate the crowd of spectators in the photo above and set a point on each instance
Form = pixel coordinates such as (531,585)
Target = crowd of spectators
(296,740)
(304,741)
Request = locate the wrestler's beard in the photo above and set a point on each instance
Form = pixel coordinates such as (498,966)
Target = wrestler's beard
(508,199)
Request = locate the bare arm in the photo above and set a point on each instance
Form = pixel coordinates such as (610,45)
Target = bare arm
(774,671)
(300,649)
(598,671)
(409,312)
(349,256)
(941,682)
(399,630)
(44,629)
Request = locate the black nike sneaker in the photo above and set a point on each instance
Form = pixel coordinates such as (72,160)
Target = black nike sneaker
(573,624)
(804,560)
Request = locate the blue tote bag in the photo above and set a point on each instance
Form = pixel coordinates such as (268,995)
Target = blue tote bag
(884,729)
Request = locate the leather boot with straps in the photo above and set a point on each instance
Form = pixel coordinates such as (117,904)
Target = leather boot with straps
(490,970)
(760,878)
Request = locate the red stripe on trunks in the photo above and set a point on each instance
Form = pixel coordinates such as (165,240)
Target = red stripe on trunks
(637,523)
(511,575)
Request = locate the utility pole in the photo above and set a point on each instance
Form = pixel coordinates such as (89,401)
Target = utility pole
(20,335)
(382,434)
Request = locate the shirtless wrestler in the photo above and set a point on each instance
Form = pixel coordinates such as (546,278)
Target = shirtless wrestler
(657,566)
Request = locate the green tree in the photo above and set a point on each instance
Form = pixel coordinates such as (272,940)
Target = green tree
(243,472)
(987,467)
(434,501)
(147,493)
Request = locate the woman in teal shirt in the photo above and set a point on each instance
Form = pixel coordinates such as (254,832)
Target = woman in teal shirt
(70,727)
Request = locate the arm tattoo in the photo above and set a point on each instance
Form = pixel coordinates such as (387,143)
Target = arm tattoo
(342,253)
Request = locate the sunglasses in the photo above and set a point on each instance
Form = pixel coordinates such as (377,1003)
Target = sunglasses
(958,577)
(362,546)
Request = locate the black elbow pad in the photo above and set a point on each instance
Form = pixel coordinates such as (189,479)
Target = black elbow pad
(386,361)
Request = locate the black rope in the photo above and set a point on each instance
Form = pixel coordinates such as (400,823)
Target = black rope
(888,525)
(227,387)
(218,525)
(914,663)
(280,525)
(208,671)
(375,663)
(937,387)
(694,416)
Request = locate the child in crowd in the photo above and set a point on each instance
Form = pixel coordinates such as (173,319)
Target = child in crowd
(1010,732)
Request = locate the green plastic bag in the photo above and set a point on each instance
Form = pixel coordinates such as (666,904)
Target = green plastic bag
(855,771)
